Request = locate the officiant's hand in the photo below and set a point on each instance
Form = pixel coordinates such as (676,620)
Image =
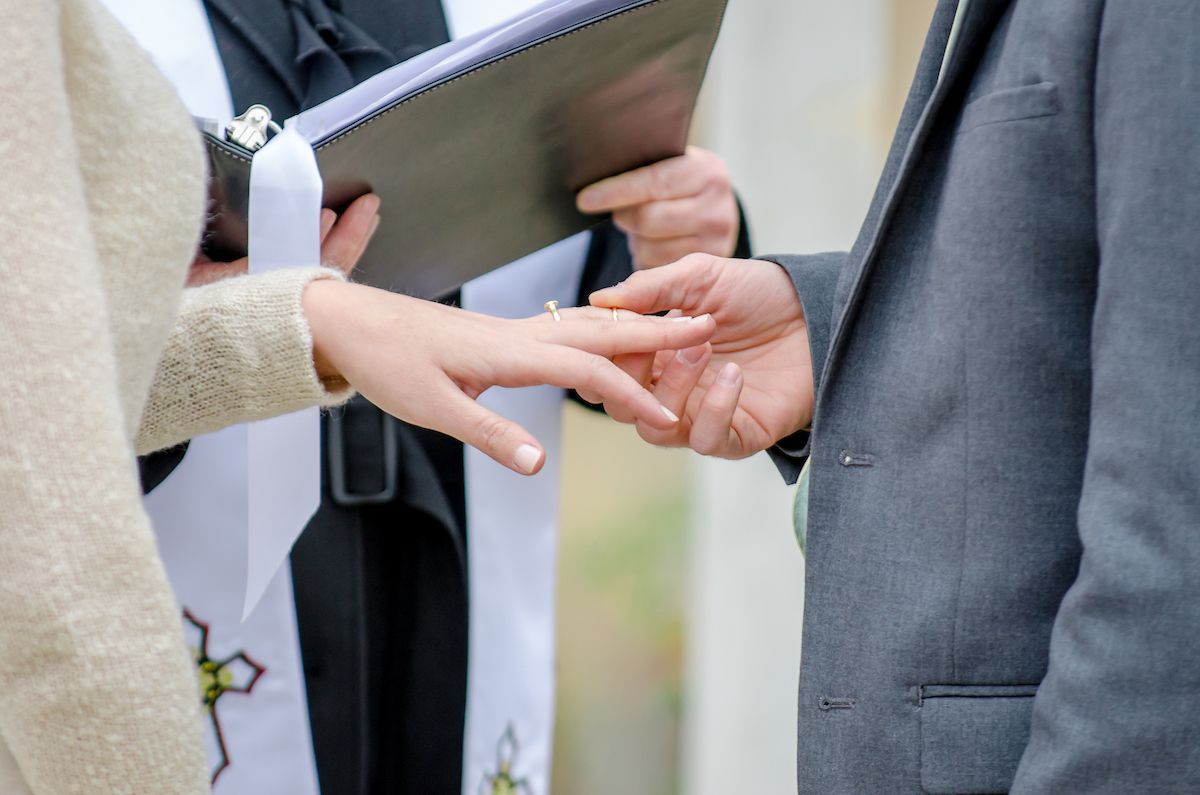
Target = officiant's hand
(752,384)
(425,363)
(670,209)
(343,241)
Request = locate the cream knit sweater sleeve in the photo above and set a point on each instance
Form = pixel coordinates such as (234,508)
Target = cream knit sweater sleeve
(240,350)
(101,193)
(97,693)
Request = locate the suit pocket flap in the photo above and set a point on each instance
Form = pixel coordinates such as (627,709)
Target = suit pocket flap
(973,736)
(1011,104)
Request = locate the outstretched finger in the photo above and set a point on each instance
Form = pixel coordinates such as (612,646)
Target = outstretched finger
(712,431)
(595,331)
(668,287)
(571,368)
(504,440)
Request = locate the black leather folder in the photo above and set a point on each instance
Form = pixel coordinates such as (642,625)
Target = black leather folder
(482,168)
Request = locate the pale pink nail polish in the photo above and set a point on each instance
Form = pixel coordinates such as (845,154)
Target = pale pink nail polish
(526,458)
(729,374)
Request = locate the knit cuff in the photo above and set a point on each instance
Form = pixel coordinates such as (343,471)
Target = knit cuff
(241,350)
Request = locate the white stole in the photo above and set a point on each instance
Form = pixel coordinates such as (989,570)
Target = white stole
(512,535)
(512,550)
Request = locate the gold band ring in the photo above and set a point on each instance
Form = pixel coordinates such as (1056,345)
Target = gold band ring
(552,308)
(614,309)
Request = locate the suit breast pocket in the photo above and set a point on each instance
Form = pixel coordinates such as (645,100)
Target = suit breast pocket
(1010,104)
(973,736)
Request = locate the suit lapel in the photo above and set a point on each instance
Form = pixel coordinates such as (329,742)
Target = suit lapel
(921,113)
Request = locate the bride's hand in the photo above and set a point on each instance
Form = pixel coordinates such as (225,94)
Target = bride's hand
(425,363)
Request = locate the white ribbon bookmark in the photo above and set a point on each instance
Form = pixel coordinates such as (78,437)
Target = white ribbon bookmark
(284,453)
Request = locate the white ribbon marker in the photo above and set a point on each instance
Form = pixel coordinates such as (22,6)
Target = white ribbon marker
(284,452)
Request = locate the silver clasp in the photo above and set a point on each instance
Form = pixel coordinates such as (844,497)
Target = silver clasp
(249,130)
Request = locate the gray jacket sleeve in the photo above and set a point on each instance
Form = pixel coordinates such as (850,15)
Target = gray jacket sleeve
(1119,708)
(815,277)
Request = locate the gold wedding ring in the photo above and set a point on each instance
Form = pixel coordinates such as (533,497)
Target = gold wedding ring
(552,308)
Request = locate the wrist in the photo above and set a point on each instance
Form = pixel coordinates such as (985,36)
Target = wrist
(322,302)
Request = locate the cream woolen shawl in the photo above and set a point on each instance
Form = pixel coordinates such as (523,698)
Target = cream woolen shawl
(101,196)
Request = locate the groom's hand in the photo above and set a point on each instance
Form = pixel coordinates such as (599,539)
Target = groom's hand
(753,383)
(670,209)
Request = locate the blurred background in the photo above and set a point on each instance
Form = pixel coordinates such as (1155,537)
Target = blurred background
(681,589)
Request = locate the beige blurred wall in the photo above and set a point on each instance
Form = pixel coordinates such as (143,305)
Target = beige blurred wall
(801,99)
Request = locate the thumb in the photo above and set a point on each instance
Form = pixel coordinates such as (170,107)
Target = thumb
(505,441)
(674,286)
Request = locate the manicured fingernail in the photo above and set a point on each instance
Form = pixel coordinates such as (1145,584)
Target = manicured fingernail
(700,319)
(729,374)
(690,356)
(670,414)
(526,458)
(682,319)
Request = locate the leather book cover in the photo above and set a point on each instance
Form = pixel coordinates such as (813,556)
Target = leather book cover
(482,168)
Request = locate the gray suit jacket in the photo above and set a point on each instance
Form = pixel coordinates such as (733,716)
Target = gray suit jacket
(1005,485)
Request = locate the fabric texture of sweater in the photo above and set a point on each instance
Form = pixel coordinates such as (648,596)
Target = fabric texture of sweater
(101,200)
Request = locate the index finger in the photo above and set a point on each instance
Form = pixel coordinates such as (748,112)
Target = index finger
(668,287)
(593,330)
(674,178)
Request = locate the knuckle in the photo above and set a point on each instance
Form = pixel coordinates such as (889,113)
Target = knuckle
(714,166)
(649,216)
(596,372)
(659,182)
(705,446)
(623,221)
(619,413)
(652,436)
(494,432)
(643,250)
